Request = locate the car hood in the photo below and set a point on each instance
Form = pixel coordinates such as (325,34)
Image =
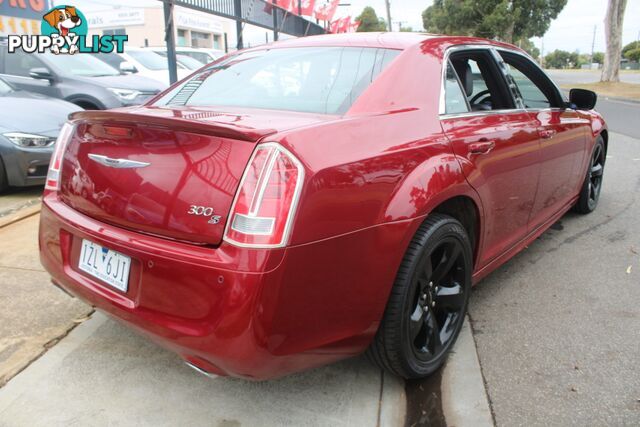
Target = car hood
(127,81)
(33,113)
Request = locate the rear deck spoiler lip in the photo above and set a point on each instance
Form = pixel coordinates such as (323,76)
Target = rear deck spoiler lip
(223,130)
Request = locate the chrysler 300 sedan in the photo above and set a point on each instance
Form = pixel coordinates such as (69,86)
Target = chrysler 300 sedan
(295,204)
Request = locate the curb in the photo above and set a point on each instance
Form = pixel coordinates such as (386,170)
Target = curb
(20,214)
(464,396)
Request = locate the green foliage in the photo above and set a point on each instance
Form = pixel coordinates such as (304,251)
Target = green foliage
(598,57)
(528,46)
(630,51)
(563,59)
(633,54)
(506,20)
(369,21)
(406,29)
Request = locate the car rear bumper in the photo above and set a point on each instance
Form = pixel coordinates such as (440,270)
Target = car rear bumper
(255,314)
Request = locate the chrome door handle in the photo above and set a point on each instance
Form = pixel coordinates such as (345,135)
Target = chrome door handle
(482,147)
(547,133)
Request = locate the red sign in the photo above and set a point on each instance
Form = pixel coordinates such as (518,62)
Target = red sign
(307,6)
(327,12)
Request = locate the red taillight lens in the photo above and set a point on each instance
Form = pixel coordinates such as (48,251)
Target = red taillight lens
(266,201)
(53,176)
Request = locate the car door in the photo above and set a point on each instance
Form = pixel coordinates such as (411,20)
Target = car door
(563,136)
(17,67)
(496,144)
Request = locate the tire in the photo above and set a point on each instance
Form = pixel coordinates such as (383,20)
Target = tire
(427,304)
(592,185)
(4,183)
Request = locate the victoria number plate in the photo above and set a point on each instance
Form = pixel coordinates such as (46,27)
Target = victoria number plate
(105,264)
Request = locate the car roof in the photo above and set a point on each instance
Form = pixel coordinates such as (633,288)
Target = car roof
(388,40)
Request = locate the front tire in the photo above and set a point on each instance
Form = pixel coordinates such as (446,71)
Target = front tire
(428,301)
(592,186)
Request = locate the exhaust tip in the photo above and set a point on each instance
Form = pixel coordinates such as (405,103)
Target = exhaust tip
(201,371)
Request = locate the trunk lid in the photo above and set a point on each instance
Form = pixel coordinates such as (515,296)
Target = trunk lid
(166,172)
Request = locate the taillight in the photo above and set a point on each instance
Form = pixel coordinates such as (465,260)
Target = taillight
(265,204)
(53,176)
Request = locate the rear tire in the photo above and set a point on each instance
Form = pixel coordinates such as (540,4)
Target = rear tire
(4,183)
(592,185)
(428,301)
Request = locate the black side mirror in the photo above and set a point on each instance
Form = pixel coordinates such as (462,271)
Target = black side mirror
(41,73)
(583,99)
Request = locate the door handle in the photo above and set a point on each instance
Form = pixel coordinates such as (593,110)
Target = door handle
(482,147)
(547,133)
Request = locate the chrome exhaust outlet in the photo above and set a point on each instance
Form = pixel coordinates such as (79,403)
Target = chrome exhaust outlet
(201,371)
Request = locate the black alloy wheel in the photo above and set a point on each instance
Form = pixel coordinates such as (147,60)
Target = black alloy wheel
(428,301)
(592,186)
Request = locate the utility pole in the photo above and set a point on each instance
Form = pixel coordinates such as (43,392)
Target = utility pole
(593,44)
(542,54)
(388,4)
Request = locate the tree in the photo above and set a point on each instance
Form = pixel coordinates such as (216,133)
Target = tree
(562,59)
(369,21)
(633,55)
(629,48)
(505,20)
(528,46)
(598,57)
(613,33)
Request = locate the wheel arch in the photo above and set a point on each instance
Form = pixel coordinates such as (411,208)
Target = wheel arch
(464,209)
(605,137)
(439,186)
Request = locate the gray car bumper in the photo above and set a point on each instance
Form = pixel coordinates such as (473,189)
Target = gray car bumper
(25,166)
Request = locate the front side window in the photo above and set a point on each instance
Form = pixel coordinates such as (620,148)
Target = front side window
(82,65)
(20,63)
(317,80)
(534,88)
(455,100)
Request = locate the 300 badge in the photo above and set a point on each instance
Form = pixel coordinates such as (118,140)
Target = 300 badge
(204,211)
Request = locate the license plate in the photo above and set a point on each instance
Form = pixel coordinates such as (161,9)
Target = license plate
(105,264)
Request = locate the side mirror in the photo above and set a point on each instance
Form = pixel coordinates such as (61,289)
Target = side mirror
(127,67)
(41,73)
(583,99)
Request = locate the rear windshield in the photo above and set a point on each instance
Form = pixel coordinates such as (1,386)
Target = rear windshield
(316,80)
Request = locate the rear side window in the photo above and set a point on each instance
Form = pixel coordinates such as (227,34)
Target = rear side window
(318,80)
(455,100)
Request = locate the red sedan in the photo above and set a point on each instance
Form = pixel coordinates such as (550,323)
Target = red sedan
(295,204)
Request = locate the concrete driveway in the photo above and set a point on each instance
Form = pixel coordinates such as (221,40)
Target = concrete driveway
(104,374)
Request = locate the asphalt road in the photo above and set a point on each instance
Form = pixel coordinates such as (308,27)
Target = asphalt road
(589,76)
(621,116)
(557,327)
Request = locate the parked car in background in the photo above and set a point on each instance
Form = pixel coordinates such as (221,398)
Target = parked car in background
(29,126)
(188,62)
(296,204)
(203,55)
(81,79)
(121,63)
(149,64)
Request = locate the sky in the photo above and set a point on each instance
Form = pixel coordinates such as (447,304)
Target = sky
(572,30)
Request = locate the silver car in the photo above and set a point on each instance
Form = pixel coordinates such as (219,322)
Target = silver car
(29,126)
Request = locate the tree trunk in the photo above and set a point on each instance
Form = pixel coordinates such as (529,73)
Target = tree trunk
(613,32)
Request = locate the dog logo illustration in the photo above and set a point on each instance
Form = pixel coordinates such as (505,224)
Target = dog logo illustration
(64,21)
(64,30)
